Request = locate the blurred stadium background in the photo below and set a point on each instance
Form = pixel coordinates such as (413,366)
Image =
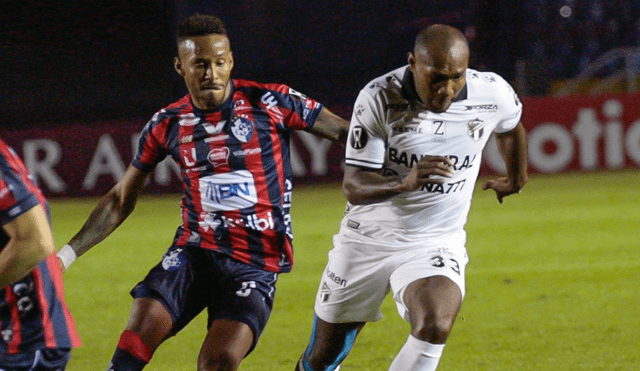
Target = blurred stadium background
(78,79)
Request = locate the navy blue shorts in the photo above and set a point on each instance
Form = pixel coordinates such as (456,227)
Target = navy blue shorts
(39,360)
(189,279)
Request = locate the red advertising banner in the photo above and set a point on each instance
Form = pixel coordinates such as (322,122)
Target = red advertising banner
(88,159)
(578,133)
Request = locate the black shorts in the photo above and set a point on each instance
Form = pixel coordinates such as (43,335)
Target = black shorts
(189,279)
(39,360)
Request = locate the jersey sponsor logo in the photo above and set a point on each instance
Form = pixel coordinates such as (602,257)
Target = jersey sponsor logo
(217,138)
(359,137)
(189,158)
(247,152)
(242,129)
(482,107)
(188,119)
(229,191)
(476,129)
(438,127)
(444,188)
(407,129)
(269,100)
(251,221)
(219,156)
(410,159)
(172,260)
(241,105)
(335,278)
(353,224)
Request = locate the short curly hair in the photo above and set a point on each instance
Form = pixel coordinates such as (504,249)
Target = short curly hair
(200,24)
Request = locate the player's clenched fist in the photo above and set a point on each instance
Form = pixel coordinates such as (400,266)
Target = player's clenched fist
(430,169)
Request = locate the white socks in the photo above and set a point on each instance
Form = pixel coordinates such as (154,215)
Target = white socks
(417,355)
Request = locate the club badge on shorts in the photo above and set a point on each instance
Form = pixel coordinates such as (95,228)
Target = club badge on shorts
(173,260)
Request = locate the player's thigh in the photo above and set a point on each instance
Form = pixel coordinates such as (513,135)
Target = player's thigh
(420,263)
(244,294)
(40,360)
(354,283)
(179,283)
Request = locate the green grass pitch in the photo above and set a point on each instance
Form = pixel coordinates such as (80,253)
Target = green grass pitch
(552,284)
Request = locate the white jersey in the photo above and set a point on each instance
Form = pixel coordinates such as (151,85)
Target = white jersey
(391,130)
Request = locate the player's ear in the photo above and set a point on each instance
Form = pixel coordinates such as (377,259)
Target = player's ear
(411,59)
(177,64)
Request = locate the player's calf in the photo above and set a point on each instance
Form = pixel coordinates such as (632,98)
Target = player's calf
(132,353)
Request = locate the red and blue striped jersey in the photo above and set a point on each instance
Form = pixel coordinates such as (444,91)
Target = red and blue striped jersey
(235,167)
(33,312)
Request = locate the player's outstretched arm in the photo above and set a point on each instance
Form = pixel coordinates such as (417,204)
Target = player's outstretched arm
(112,209)
(513,148)
(362,186)
(30,241)
(330,126)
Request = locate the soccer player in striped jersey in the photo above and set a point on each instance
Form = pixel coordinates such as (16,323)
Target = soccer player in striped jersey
(412,160)
(230,138)
(36,327)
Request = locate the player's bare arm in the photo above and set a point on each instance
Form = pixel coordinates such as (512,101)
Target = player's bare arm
(112,209)
(331,126)
(513,148)
(30,242)
(363,186)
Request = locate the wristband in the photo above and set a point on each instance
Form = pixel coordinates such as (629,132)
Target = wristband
(67,256)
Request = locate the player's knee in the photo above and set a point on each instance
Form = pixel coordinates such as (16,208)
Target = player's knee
(219,361)
(435,330)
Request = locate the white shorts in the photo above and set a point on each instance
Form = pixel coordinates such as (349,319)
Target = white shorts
(359,275)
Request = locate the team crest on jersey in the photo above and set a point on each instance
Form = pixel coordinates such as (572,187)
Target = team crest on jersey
(173,260)
(242,129)
(219,156)
(359,137)
(476,129)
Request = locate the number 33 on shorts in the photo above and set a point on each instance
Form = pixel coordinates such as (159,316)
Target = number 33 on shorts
(440,262)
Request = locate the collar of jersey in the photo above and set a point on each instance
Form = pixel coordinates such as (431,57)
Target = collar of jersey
(409,88)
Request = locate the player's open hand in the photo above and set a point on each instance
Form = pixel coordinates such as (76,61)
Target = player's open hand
(430,169)
(503,187)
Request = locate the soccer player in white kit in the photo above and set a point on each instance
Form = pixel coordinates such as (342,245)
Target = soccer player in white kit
(412,160)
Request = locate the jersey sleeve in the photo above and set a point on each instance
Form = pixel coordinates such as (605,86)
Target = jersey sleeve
(301,112)
(510,106)
(367,137)
(151,146)
(15,196)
